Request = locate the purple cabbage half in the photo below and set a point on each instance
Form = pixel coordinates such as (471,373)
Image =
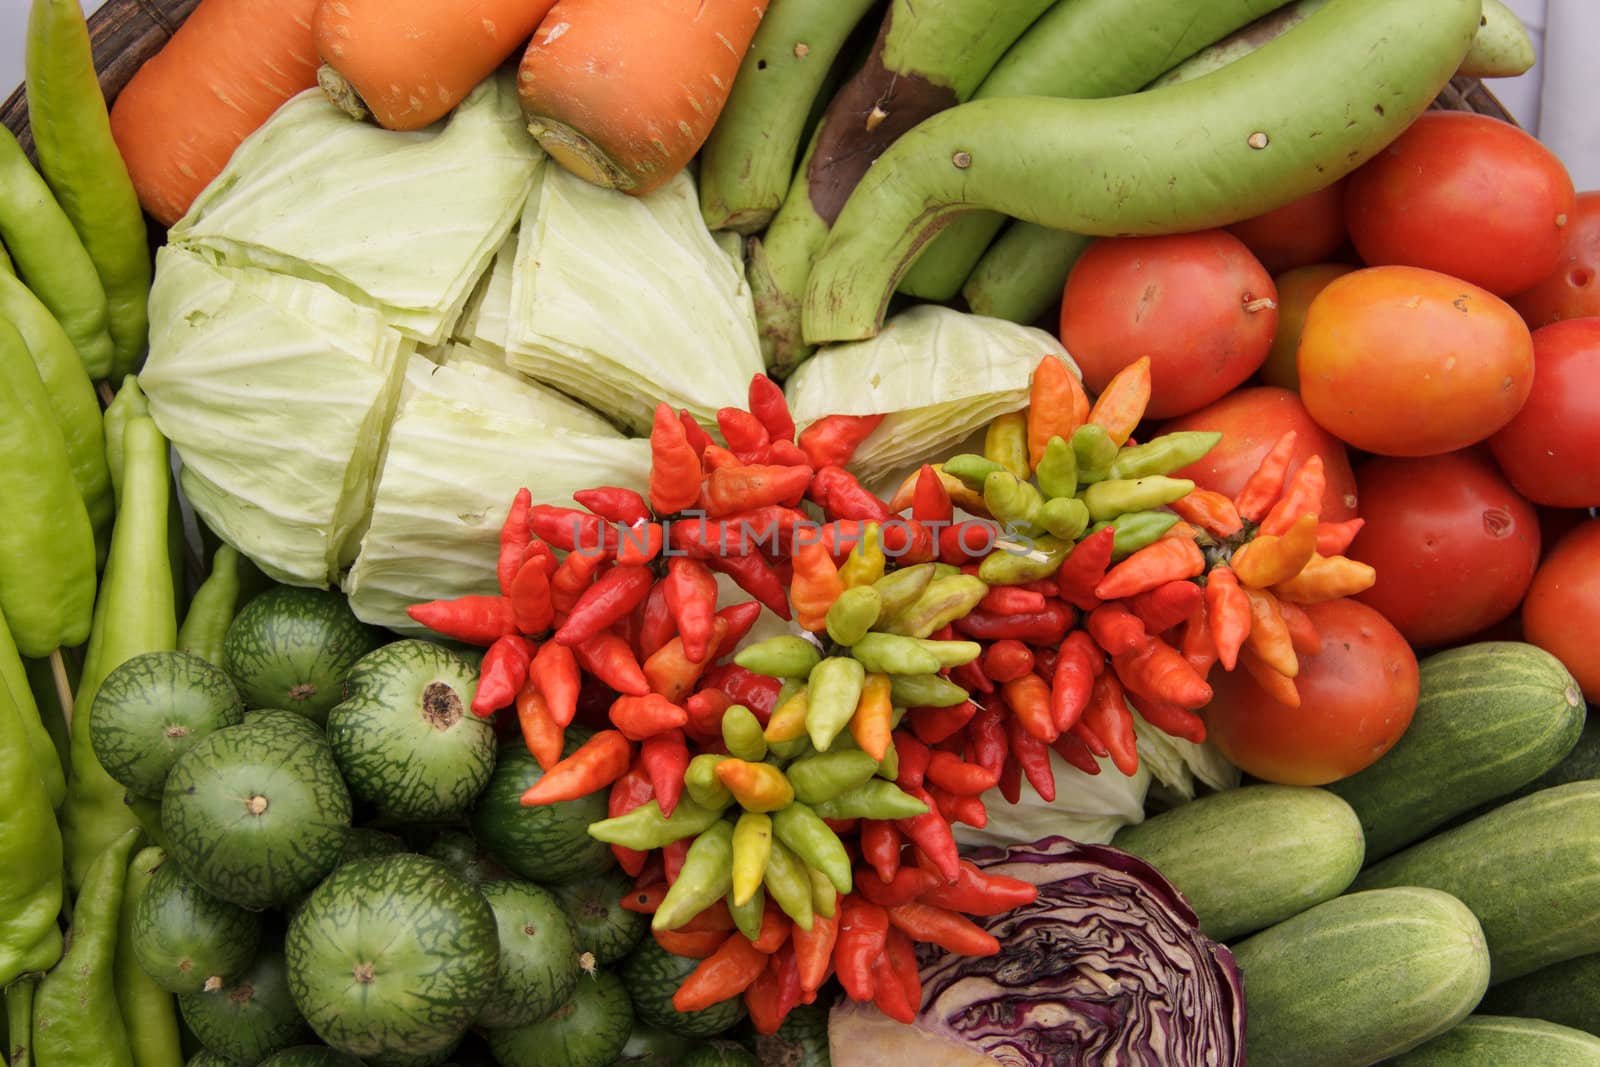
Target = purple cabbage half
(1108,967)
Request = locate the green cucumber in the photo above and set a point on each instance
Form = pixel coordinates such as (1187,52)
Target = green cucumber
(1360,977)
(1278,124)
(1247,858)
(1490,717)
(1500,1041)
(1529,870)
(1567,993)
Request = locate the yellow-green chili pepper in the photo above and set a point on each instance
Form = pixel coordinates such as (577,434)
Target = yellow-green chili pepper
(135,614)
(700,781)
(866,562)
(213,607)
(645,828)
(790,885)
(30,847)
(1058,468)
(752,844)
(924,691)
(824,775)
(1164,454)
(1013,501)
(950,653)
(1095,452)
(804,832)
(1135,529)
(833,690)
(47,553)
(824,896)
(747,916)
(705,878)
(149,1012)
(1006,442)
(784,656)
(891,654)
(853,614)
(76,1019)
(900,588)
(889,766)
(943,601)
(872,799)
(1066,517)
(1118,496)
(741,734)
(1014,565)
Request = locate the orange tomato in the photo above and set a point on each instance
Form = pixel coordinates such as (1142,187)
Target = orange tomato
(1357,696)
(1296,289)
(1561,613)
(1404,361)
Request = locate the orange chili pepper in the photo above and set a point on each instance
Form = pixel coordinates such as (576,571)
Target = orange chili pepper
(1334,537)
(1212,511)
(1109,719)
(476,620)
(1327,578)
(1302,631)
(675,470)
(554,671)
(815,586)
(1121,404)
(788,721)
(639,717)
(1158,670)
(692,944)
(813,950)
(744,487)
(529,594)
(1228,611)
(672,673)
(1268,559)
(1303,496)
(595,764)
(833,439)
(608,658)
(870,723)
(1269,635)
(1029,700)
(759,787)
(947,929)
(1266,483)
(1057,405)
(1278,686)
(569,581)
(644,900)
(539,731)
(775,928)
(1168,559)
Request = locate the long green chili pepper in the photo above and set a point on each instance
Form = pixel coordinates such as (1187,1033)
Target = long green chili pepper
(705,878)
(924,691)
(47,558)
(149,1012)
(823,776)
(1117,496)
(30,850)
(873,799)
(784,656)
(14,678)
(51,258)
(135,614)
(891,654)
(76,1019)
(81,162)
(946,599)
(804,832)
(129,402)
(901,587)
(72,399)
(853,614)
(19,1021)
(1135,529)
(213,607)
(789,883)
(833,691)
(1164,454)
(645,828)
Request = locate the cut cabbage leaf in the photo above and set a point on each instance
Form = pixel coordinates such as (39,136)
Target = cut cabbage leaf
(481,379)
(403,222)
(1088,807)
(487,317)
(938,374)
(624,301)
(278,469)
(449,472)
(1177,764)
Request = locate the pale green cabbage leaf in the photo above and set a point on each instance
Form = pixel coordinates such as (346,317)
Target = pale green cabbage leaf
(938,374)
(625,301)
(452,464)
(403,222)
(1088,807)
(274,391)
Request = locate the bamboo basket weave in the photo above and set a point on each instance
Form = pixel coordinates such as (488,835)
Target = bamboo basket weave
(125,33)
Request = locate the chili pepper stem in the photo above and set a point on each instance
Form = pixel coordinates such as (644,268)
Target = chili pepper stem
(58,673)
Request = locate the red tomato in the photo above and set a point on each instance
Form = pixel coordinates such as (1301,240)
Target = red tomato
(1551,449)
(1572,290)
(1562,612)
(1410,362)
(1198,304)
(1464,194)
(1357,696)
(1453,544)
(1304,231)
(1296,289)
(1250,421)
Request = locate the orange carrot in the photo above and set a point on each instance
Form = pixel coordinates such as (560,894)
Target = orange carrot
(223,73)
(408,62)
(623,92)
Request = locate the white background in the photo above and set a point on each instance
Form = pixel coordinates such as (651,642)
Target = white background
(1555,99)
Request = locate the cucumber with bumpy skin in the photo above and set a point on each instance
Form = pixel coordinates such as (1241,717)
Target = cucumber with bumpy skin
(1499,1041)
(1360,977)
(1567,993)
(1274,126)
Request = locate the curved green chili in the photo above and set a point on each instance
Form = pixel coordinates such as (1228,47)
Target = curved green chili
(30,855)
(129,402)
(135,614)
(76,1020)
(149,1012)
(51,258)
(213,606)
(80,160)
(47,579)
(71,395)
(14,681)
